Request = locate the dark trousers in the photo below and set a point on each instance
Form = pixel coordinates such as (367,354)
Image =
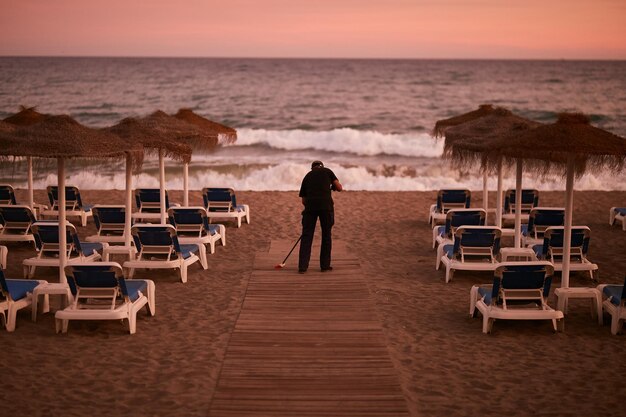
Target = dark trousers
(309,220)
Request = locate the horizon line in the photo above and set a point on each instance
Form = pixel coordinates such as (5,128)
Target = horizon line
(310,58)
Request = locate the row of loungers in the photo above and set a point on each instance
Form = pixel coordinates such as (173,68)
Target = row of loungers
(463,242)
(219,202)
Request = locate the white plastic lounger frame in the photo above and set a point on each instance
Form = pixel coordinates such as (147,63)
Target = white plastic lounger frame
(22,290)
(163,255)
(49,251)
(148,201)
(614,304)
(223,208)
(518,301)
(73,203)
(617,214)
(529,199)
(578,252)
(479,257)
(456,218)
(109,220)
(438,214)
(17,222)
(192,227)
(115,300)
(538,215)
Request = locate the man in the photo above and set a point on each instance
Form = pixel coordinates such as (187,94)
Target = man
(318,203)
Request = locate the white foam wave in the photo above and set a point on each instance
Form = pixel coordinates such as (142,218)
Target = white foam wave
(345,140)
(287,177)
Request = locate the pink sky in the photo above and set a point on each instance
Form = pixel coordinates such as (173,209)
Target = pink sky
(553,29)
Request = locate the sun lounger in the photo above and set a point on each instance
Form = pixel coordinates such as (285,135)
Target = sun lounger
(16,221)
(618,214)
(7,194)
(47,243)
(615,304)
(447,200)
(192,226)
(73,204)
(100,292)
(530,200)
(519,292)
(110,221)
(552,248)
(539,219)
(148,201)
(454,219)
(221,203)
(16,294)
(159,248)
(475,248)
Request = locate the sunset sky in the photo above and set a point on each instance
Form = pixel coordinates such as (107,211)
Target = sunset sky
(553,29)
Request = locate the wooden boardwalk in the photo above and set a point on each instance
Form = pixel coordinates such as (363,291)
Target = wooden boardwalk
(307,345)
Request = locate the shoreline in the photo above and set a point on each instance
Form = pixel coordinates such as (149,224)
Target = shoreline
(446,366)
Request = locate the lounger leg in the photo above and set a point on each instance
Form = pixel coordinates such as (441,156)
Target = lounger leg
(183,272)
(449,273)
(12,317)
(61,325)
(439,255)
(151,290)
(473,299)
(616,323)
(83,219)
(238,222)
(222,234)
(211,247)
(202,253)
(487,324)
(26,270)
(132,322)
(131,273)
(612,216)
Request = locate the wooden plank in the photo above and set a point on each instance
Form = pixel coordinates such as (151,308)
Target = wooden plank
(307,345)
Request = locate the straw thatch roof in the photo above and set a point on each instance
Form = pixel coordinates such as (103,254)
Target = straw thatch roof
(222,133)
(25,117)
(63,137)
(442,125)
(6,127)
(548,147)
(159,131)
(466,143)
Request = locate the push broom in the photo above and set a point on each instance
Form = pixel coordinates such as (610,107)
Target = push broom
(282,264)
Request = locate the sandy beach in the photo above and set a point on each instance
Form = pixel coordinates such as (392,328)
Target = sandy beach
(445,364)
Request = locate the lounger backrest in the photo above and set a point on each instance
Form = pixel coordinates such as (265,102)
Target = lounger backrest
(105,276)
(219,199)
(477,237)
(542,218)
(522,276)
(158,239)
(72,197)
(450,199)
(186,219)
(7,194)
(16,215)
(109,216)
(47,236)
(554,237)
(456,218)
(150,198)
(530,199)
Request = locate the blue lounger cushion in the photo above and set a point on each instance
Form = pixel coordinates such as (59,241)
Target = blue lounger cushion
(133,287)
(485,293)
(448,250)
(615,292)
(188,250)
(90,248)
(620,210)
(213,229)
(18,288)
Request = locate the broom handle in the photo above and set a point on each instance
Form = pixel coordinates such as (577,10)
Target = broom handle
(294,246)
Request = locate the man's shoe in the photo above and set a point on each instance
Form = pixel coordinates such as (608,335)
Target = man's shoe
(330,268)
(301,271)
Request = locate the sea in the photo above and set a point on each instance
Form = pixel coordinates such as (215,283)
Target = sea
(368,120)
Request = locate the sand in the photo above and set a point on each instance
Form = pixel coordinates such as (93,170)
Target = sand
(445,364)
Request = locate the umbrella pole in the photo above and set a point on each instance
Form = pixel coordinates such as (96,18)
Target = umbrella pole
(499,196)
(518,205)
(129,200)
(162,185)
(62,228)
(485,193)
(31,197)
(186,185)
(569,211)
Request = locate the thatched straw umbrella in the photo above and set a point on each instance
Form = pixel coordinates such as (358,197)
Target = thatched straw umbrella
(570,146)
(61,137)
(25,117)
(442,126)
(217,132)
(164,135)
(468,142)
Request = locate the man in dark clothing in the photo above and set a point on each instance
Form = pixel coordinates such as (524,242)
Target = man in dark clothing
(315,192)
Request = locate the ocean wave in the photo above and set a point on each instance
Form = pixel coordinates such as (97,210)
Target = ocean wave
(287,177)
(344,140)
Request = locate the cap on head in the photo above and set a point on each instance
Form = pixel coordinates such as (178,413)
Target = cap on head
(317,164)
